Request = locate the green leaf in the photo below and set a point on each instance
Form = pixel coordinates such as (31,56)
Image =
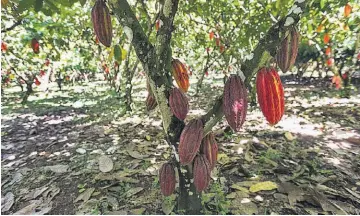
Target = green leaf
(38,5)
(267,185)
(117,53)
(25,5)
(82,2)
(322,3)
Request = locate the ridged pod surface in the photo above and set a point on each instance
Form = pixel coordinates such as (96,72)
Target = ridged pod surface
(288,50)
(202,172)
(190,141)
(167,179)
(180,74)
(270,94)
(35,45)
(179,103)
(209,148)
(235,102)
(100,16)
(150,102)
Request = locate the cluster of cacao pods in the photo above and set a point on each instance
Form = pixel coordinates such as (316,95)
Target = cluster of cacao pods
(195,150)
(100,16)
(180,74)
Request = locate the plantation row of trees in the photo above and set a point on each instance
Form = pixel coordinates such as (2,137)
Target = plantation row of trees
(206,38)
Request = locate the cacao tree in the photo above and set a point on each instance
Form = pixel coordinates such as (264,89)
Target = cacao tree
(186,139)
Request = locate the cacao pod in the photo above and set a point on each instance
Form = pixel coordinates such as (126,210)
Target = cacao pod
(326,38)
(190,141)
(235,102)
(347,10)
(270,94)
(167,179)
(150,102)
(180,74)
(287,51)
(202,172)
(3,47)
(209,148)
(101,20)
(179,103)
(35,45)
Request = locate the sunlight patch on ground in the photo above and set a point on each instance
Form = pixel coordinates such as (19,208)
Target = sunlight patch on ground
(333,160)
(300,125)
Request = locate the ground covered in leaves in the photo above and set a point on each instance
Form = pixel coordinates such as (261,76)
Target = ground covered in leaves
(77,151)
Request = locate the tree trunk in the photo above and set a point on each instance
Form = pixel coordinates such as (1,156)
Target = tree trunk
(189,200)
(28,92)
(199,83)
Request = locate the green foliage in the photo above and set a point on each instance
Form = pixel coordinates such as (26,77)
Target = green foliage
(215,200)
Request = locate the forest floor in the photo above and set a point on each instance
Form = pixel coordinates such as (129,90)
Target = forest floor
(309,163)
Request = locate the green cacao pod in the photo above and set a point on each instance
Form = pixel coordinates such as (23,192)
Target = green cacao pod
(190,141)
(101,20)
(270,94)
(202,171)
(235,102)
(167,179)
(209,148)
(287,51)
(179,103)
(117,53)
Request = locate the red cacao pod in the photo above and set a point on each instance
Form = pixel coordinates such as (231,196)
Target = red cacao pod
(326,38)
(180,75)
(150,102)
(270,94)
(235,102)
(209,148)
(35,45)
(101,20)
(190,141)
(287,51)
(202,172)
(167,179)
(179,103)
(3,47)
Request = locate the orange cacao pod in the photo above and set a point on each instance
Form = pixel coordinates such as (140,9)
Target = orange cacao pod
(167,179)
(101,20)
(190,141)
(179,104)
(326,38)
(202,172)
(35,45)
(180,74)
(235,102)
(270,94)
(347,10)
(287,51)
(209,148)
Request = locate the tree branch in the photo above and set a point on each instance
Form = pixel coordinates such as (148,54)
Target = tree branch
(265,48)
(17,23)
(132,28)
